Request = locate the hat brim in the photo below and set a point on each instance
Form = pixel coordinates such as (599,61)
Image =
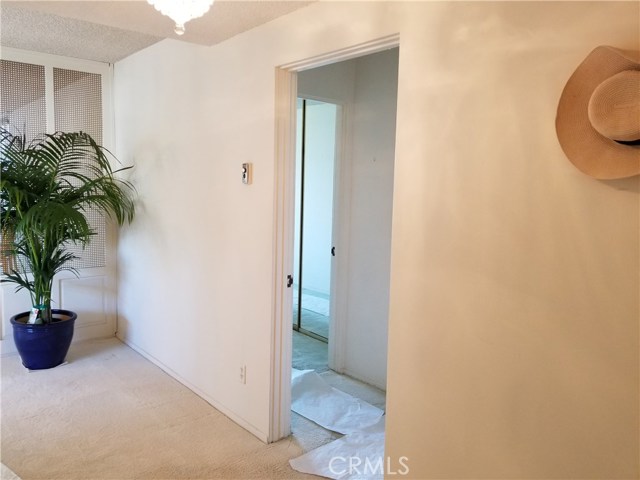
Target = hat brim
(592,153)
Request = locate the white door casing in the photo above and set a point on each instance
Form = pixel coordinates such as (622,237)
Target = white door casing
(284,221)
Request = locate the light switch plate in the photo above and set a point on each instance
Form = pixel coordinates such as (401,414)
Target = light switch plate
(246,173)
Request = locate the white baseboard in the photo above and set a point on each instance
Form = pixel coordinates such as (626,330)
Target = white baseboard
(224,410)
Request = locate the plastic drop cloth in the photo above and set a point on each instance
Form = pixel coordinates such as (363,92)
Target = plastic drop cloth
(359,455)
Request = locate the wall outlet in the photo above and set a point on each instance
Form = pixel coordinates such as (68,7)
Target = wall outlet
(243,374)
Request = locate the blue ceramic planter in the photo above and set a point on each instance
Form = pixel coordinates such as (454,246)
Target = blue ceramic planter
(43,346)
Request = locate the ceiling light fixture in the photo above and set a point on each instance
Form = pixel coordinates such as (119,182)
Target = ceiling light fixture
(181,11)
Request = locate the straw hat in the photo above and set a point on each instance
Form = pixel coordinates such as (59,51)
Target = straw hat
(598,120)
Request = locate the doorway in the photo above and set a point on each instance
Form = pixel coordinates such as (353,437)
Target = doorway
(342,249)
(351,342)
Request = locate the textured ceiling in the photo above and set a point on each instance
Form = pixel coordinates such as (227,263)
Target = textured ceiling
(108,31)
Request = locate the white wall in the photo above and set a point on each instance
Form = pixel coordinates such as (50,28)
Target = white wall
(513,330)
(371,201)
(195,267)
(334,82)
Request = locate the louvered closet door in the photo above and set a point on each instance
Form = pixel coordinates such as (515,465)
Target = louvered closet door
(47,98)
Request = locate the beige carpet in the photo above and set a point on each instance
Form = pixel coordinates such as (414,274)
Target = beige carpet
(111,414)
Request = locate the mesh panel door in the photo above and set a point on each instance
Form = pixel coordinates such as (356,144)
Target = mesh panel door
(77,103)
(23,113)
(22,98)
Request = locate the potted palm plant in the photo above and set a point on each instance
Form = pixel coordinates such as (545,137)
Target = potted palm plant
(46,188)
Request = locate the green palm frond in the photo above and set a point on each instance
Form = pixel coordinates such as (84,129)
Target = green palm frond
(46,189)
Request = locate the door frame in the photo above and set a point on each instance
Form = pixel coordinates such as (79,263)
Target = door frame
(286,90)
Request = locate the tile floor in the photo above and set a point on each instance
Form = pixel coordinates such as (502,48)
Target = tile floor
(309,353)
(314,322)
